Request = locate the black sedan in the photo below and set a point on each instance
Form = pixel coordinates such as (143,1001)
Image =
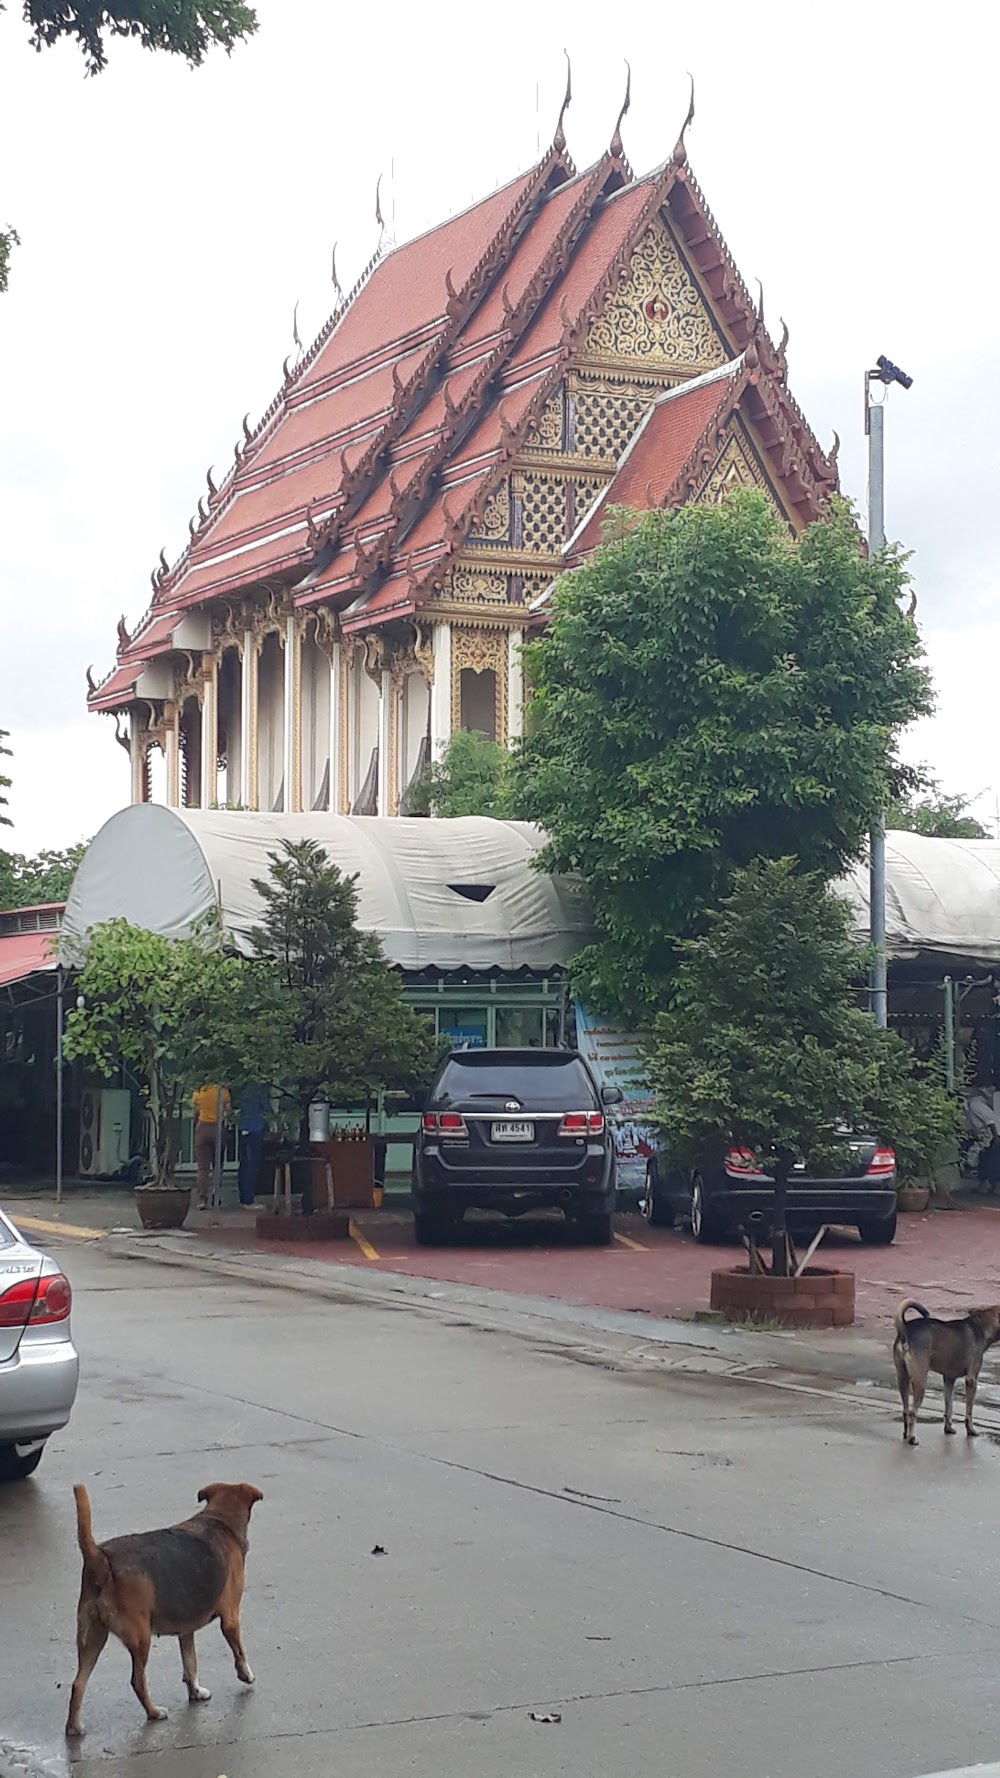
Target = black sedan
(718,1196)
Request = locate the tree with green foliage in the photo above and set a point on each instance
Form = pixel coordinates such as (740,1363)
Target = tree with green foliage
(710,690)
(153,1006)
(929,811)
(33,881)
(764,1047)
(318,1012)
(470,778)
(188,28)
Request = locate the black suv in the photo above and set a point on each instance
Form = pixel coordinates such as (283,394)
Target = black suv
(514,1130)
(718,1197)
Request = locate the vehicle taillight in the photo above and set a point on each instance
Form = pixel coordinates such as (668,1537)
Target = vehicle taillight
(430,1123)
(582,1123)
(883,1161)
(35,1301)
(451,1123)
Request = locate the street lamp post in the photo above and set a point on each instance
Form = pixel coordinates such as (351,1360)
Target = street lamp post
(885,372)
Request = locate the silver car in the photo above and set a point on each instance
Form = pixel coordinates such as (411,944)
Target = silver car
(39,1366)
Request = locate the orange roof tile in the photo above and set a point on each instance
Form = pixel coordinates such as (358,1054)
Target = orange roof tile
(659,451)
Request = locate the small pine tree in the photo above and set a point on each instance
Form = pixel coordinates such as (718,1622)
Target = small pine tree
(320,1012)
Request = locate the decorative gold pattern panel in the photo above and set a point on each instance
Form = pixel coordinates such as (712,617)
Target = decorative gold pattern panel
(548,434)
(482,650)
(657,311)
(735,468)
(543,513)
(475,586)
(606,412)
(533,585)
(585,491)
(494,526)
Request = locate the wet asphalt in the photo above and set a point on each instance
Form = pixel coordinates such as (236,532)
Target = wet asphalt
(696,1575)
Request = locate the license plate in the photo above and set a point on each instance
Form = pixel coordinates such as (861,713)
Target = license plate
(510,1132)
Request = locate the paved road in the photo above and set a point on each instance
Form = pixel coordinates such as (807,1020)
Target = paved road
(700,1577)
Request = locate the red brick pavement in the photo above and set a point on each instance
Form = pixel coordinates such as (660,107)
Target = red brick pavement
(949,1259)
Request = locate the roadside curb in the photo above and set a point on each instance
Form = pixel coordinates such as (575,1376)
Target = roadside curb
(72,1231)
(632,1339)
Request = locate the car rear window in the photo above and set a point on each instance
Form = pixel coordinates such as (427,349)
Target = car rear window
(6,1235)
(550,1081)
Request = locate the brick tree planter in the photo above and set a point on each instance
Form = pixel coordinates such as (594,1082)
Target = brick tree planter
(820,1298)
(276,1224)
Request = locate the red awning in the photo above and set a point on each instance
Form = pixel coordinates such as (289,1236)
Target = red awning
(22,953)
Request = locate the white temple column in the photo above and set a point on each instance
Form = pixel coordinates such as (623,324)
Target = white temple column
(333,744)
(210,737)
(172,754)
(515,686)
(248,723)
(137,755)
(385,745)
(441,690)
(293,719)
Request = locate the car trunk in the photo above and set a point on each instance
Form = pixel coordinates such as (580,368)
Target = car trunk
(518,1142)
(858,1154)
(19,1275)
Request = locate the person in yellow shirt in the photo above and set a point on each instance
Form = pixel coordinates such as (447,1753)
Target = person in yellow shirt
(206,1111)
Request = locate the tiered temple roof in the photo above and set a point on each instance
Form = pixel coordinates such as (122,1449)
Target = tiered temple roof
(384,475)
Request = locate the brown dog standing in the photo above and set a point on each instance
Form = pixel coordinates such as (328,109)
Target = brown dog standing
(163,1583)
(952,1348)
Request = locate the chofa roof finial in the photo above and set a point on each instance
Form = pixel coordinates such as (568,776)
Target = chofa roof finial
(617,145)
(559,139)
(680,151)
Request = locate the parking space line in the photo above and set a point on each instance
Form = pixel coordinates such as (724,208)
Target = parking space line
(626,1241)
(366,1247)
(37,1225)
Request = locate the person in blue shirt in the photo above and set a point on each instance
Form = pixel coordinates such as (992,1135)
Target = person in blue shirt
(254,1108)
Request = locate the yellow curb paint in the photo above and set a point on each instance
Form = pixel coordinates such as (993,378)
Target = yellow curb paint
(366,1247)
(636,1246)
(37,1225)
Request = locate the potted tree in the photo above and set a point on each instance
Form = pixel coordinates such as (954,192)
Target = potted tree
(152,1005)
(320,1016)
(765,1048)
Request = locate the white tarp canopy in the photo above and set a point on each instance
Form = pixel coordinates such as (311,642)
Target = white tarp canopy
(418,882)
(447,895)
(942,897)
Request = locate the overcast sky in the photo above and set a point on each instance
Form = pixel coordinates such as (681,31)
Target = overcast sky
(171,219)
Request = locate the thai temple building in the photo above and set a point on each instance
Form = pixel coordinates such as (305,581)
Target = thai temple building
(360,584)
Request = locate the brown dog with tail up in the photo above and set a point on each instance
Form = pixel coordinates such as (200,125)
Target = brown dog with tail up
(952,1348)
(163,1583)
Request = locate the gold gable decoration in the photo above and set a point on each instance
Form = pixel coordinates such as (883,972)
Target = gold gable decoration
(494,526)
(547,436)
(735,469)
(656,312)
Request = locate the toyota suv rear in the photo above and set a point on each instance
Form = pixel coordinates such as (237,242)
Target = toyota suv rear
(514,1130)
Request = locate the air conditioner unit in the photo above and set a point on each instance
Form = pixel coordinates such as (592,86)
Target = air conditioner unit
(105,1119)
